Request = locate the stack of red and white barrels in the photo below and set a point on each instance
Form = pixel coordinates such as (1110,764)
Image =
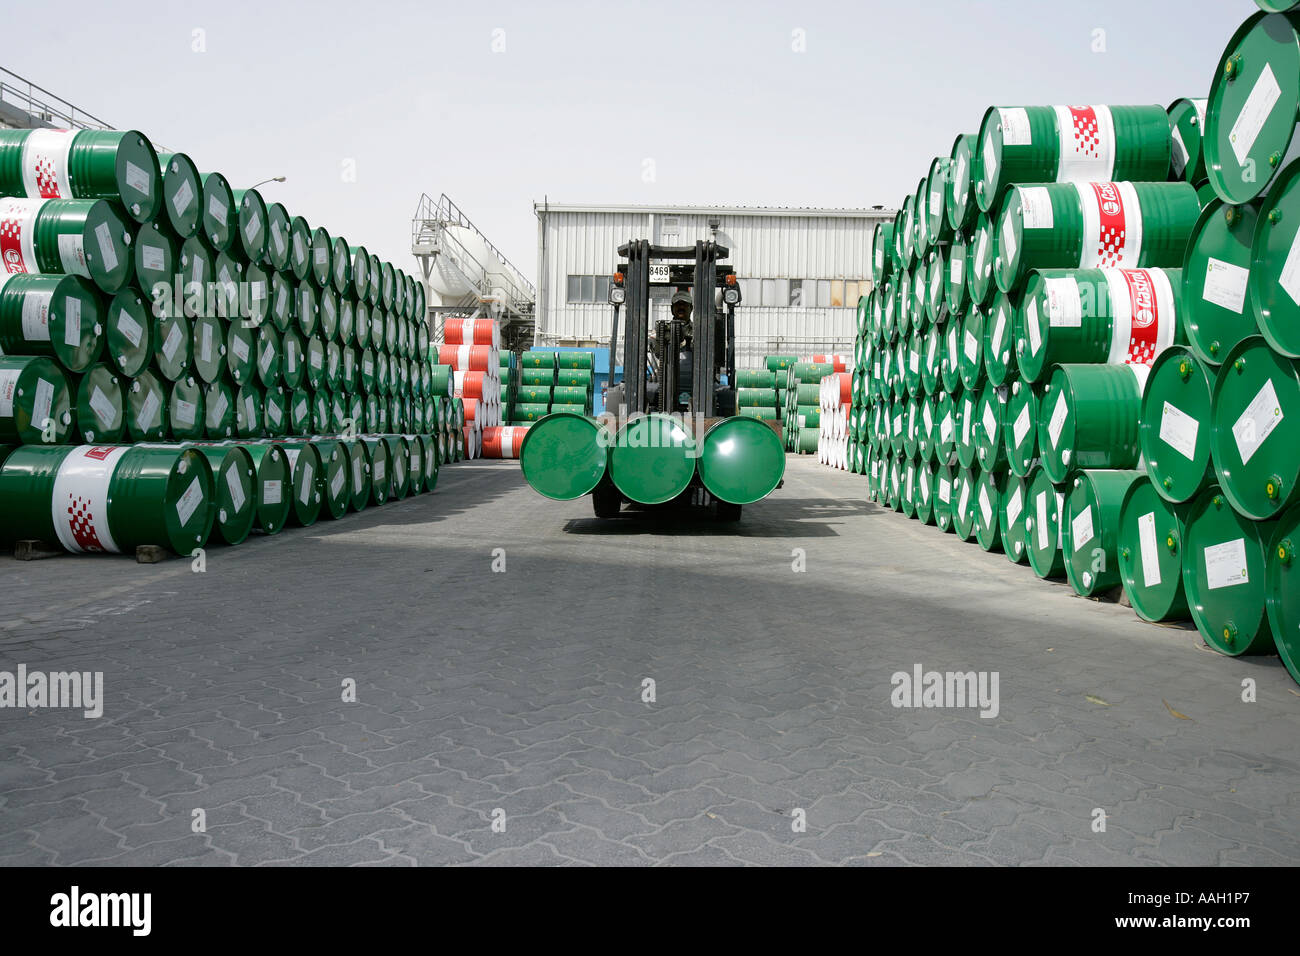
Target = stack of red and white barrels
(835,403)
(841,363)
(471,347)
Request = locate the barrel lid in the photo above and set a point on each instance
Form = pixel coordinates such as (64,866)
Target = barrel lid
(1082,528)
(964,495)
(988,492)
(1272,258)
(986,430)
(234,480)
(268,355)
(249,411)
(1216,312)
(1151,539)
(959,201)
(1251,113)
(970,361)
(278,237)
(341,258)
(197,268)
(1282,587)
(322,256)
(1000,342)
(146,408)
(1011,518)
(1223,573)
(1174,428)
(252,224)
(653,459)
(220,215)
(106,240)
(1056,424)
(300,248)
(1043,531)
(1256,406)
(185,409)
(101,406)
(1187,131)
(155,251)
(936,208)
(219,410)
(239,352)
(182,193)
(564,456)
(171,345)
(979,260)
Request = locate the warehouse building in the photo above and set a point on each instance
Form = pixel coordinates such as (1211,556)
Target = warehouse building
(801,270)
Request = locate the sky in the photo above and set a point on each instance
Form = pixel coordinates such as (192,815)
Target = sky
(364,106)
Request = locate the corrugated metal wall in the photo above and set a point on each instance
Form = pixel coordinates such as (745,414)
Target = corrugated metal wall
(764,246)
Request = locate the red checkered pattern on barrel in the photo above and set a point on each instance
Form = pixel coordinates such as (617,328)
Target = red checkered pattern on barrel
(1111,248)
(1087,136)
(81,521)
(47,180)
(1140,352)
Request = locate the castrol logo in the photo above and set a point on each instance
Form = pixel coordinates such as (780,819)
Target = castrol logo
(1111,207)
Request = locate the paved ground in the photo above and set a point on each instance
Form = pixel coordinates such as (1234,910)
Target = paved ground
(518,696)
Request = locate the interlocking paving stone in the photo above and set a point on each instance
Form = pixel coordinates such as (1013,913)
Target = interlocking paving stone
(523,691)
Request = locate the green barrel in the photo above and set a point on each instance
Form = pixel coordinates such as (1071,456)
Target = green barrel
(336,463)
(1105,225)
(1091,523)
(950,361)
(185,412)
(156,264)
(882,238)
(197,271)
(1011,518)
(537,359)
(1020,428)
(564,456)
(251,224)
(129,336)
(1251,113)
(537,377)
(208,348)
(219,410)
(83,237)
(970,361)
(293,359)
(912,363)
(347,322)
(279,237)
(908,495)
(741,460)
(1002,326)
(182,190)
(220,217)
(1152,532)
(322,256)
(341,265)
(574,377)
(581,409)
(307,308)
(1224,575)
(944,479)
(274,485)
(751,397)
(989,489)
(300,248)
(1174,430)
(34,397)
(399,457)
(1187,131)
(1059,144)
(1044,533)
(307,494)
(374,295)
(117,165)
(60,316)
(959,202)
(1215,310)
(1096,316)
(1282,589)
(360,272)
(937,225)
(381,477)
(1274,262)
(249,415)
(230,278)
(234,479)
(585,360)
(1088,418)
(930,363)
(980,260)
(240,345)
(927,435)
(362,324)
(387,285)
(778,363)
(1255,408)
(172,341)
(948,412)
(807,443)
(965,491)
(908,242)
(329,314)
(956,289)
(99,406)
(986,429)
(565,394)
(755,378)
(359,487)
(321,411)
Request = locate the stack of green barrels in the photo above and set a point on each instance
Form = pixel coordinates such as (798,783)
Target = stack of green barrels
(552,380)
(802,404)
(757,395)
(1057,361)
(142,301)
(509,364)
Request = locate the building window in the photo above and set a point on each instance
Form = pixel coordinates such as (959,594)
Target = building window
(588,288)
(575,289)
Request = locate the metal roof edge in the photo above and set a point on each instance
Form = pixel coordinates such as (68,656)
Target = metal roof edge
(787,211)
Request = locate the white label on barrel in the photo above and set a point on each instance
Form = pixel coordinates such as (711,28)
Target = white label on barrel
(1178,430)
(1257,422)
(184,412)
(945,490)
(898,423)
(1180,154)
(1289,280)
(990,161)
(196,274)
(1064,303)
(236,488)
(218,408)
(182,198)
(972,347)
(329,307)
(36,317)
(1081,530)
(914,362)
(205,346)
(907,485)
(967,413)
(79,500)
(1254,113)
(356,473)
(981,252)
(336,484)
(277,237)
(250,410)
(41,403)
(104,238)
(1041,521)
(217,210)
(281,305)
(931,347)
(1021,427)
(172,342)
(1112,226)
(1015,127)
(137,178)
(1031,326)
(225,276)
(72,255)
(104,409)
(955,270)
(299,251)
(927,419)
(45,163)
(925,489)
(379,470)
(270,492)
(258,290)
(1008,239)
(1036,205)
(189,502)
(1015,504)
(1225,564)
(291,356)
(1086,136)
(964,500)
(300,410)
(990,422)
(252,227)
(999,328)
(273,411)
(151,257)
(315,357)
(240,348)
(321,253)
(1057,421)
(148,409)
(1225,284)
(268,353)
(1147,548)
(945,428)
(986,510)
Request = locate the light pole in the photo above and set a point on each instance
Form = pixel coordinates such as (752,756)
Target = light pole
(273,179)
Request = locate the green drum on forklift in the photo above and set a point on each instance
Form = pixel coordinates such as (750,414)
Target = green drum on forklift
(652,459)
(1152,533)
(741,460)
(564,456)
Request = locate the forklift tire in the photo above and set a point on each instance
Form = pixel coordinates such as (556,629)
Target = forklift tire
(728,512)
(606,502)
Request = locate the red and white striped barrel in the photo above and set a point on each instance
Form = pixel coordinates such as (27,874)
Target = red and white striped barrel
(479,385)
(839,362)
(470,358)
(503,441)
(472,332)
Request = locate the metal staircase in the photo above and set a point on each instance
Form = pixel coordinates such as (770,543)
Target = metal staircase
(24,105)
